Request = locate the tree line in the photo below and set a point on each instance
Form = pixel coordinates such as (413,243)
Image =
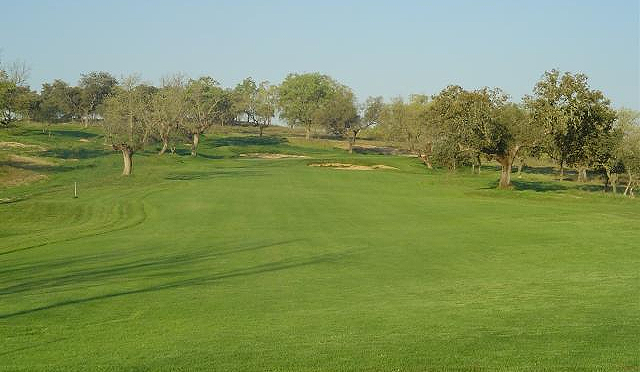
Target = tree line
(563,119)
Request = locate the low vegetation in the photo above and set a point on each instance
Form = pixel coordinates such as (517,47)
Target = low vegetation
(563,120)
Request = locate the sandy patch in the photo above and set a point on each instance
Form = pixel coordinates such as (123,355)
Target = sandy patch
(18,145)
(84,140)
(272,156)
(30,160)
(347,166)
(10,176)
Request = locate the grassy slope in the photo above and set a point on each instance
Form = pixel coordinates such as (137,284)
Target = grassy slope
(224,263)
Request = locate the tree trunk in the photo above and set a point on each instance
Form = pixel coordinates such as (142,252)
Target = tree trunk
(165,145)
(194,144)
(582,174)
(85,120)
(261,130)
(505,172)
(425,159)
(127,155)
(561,170)
(479,163)
(307,133)
(520,169)
(629,184)
(352,141)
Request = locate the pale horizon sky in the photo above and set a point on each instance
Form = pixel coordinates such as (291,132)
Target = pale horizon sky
(388,48)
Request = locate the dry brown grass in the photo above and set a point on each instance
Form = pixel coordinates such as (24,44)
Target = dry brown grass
(30,160)
(22,146)
(12,176)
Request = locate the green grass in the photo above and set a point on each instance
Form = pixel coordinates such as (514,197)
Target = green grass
(223,263)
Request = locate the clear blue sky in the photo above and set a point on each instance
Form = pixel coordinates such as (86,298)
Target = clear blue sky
(387,48)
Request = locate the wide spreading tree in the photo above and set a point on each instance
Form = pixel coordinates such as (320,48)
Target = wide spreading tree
(303,97)
(573,115)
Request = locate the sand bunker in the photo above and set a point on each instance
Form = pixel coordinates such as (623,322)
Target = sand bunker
(18,145)
(352,166)
(84,140)
(259,155)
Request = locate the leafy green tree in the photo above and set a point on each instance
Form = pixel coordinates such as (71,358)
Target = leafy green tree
(126,123)
(59,102)
(484,122)
(339,112)
(94,88)
(302,98)
(244,100)
(15,100)
(573,115)
(394,123)
(206,104)
(266,101)
(448,118)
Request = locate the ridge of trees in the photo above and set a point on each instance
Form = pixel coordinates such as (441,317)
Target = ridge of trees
(563,118)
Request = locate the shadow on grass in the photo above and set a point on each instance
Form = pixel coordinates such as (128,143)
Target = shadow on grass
(187,176)
(246,141)
(536,186)
(590,188)
(375,150)
(163,267)
(77,153)
(44,167)
(520,185)
(207,156)
(76,134)
(32,278)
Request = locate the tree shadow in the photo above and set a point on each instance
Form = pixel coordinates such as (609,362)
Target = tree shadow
(149,269)
(246,141)
(536,186)
(590,187)
(41,167)
(375,150)
(32,277)
(76,134)
(187,176)
(75,153)
(208,156)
